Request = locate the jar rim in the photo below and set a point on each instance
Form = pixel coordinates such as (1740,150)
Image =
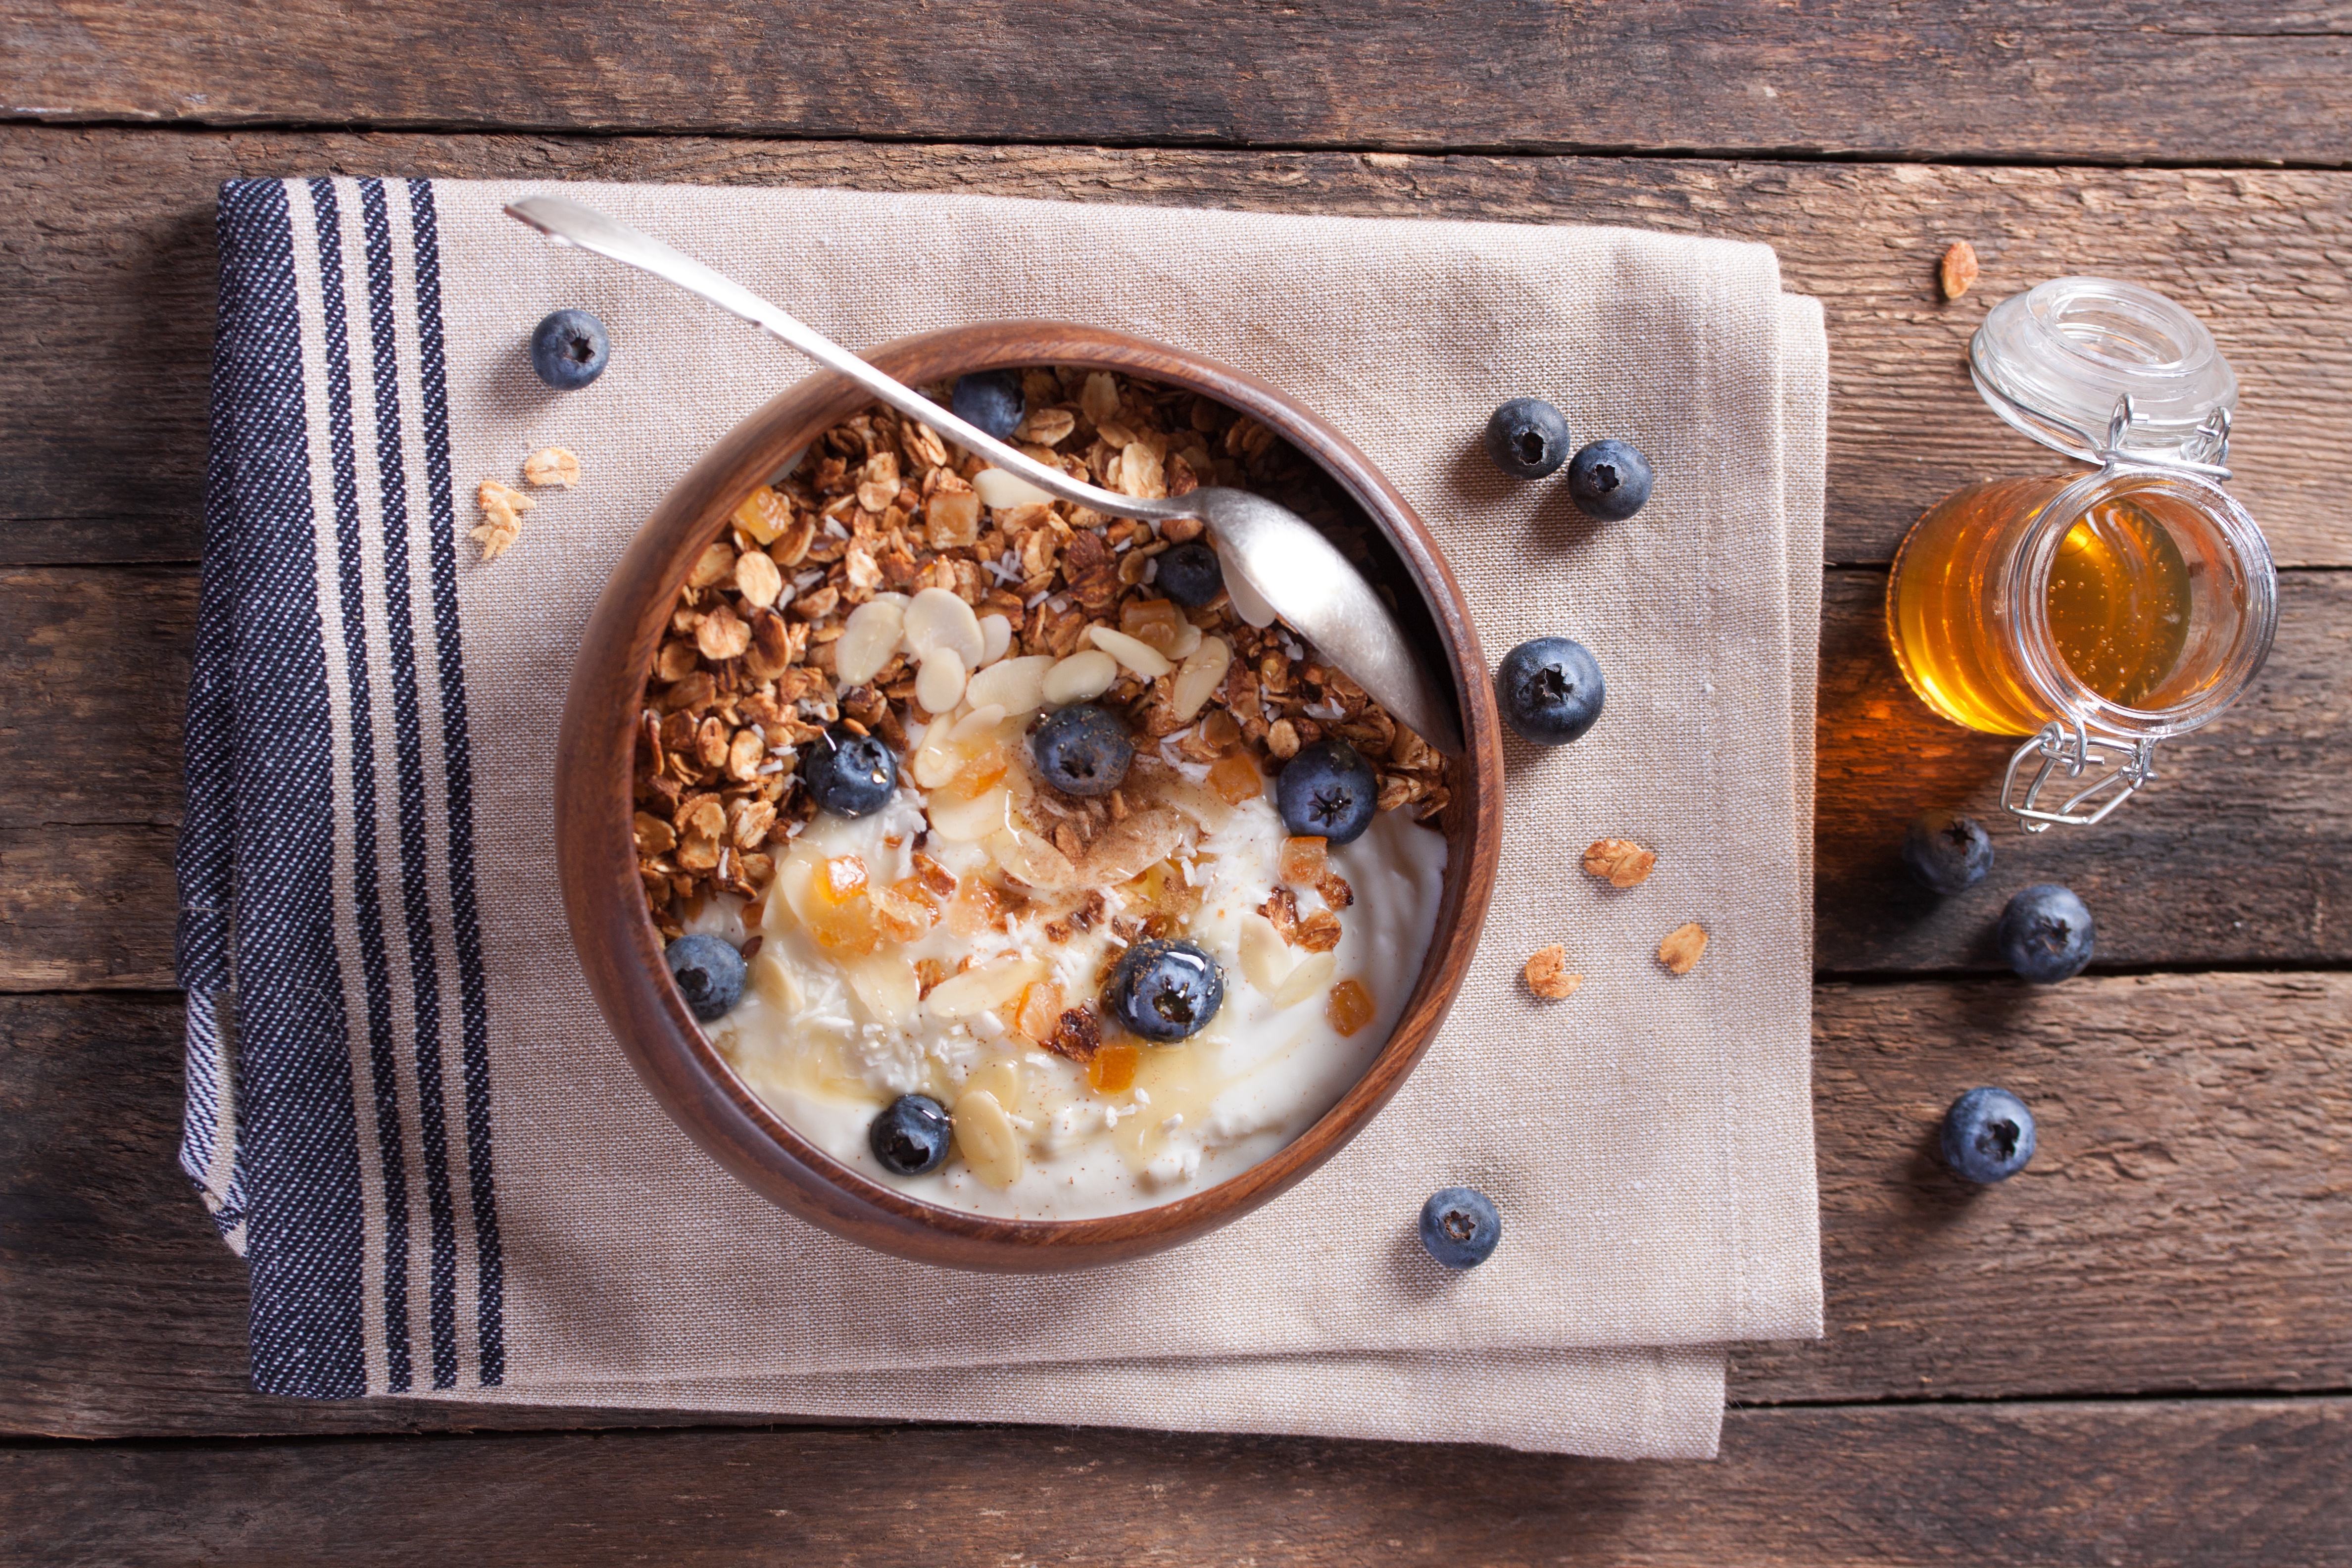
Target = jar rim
(2045,667)
(2055,362)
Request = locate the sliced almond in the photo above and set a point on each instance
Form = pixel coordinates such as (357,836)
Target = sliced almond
(939,684)
(984,1136)
(1199,677)
(1308,980)
(995,639)
(968,820)
(938,618)
(986,986)
(1080,676)
(1004,491)
(1133,652)
(1027,858)
(1000,1081)
(1266,957)
(1015,685)
(772,982)
(1188,641)
(885,986)
(869,640)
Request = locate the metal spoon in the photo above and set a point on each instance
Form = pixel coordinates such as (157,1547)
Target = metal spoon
(1274,563)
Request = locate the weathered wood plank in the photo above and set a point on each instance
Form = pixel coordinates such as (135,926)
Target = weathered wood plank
(2205,1483)
(2099,80)
(2240,853)
(2186,1225)
(102,407)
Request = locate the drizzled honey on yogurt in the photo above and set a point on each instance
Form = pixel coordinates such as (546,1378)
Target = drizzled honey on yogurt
(997,816)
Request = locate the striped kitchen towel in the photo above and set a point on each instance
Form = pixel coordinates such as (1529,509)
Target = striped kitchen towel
(405,1114)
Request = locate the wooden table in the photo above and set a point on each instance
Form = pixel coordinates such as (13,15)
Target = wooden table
(2138,1352)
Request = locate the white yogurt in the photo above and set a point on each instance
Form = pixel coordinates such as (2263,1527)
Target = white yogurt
(828,1041)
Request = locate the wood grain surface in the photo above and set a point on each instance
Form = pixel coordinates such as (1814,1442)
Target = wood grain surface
(2186,1224)
(2240,853)
(2146,1484)
(2137,1351)
(2045,80)
(101,455)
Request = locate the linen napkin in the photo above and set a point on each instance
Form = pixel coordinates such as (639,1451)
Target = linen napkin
(407,1114)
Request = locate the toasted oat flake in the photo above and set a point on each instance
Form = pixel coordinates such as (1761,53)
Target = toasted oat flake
(1681,950)
(1623,862)
(502,509)
(552,466)
(1547,974)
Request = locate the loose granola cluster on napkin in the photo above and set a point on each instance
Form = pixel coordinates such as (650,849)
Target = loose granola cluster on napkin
(750,670)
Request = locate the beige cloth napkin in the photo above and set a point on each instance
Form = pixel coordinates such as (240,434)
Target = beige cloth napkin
(1649,1141)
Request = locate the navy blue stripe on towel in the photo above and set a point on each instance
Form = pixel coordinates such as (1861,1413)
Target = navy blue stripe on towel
(366,889)
(298,1135)
(456,749)
(416,909)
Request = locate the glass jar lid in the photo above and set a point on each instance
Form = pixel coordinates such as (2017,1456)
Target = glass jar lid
(2057,361)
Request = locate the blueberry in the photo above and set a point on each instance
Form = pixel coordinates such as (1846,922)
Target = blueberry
(991,399)
(1460,1227)
(847,774)
(1948,854)
(1190,573)
(2046,933)
(1327,789)
(1609,480)
(1550,690)
(912,1136)
(1082,750)
(1988,1135)
(1165,991)
(1527,438)
(708,973)
(569,350)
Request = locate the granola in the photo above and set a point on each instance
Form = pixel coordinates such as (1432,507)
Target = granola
(1547,974)
(1621,862)
(1681,950)
(799,616)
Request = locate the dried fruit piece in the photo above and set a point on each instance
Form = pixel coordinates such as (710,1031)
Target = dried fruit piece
(1624,863)
(1235,779)
(1350,1006)
(1682,947)
(1112,1070)
(1958,268)
(552,466)
(1547,974)
(1302,860)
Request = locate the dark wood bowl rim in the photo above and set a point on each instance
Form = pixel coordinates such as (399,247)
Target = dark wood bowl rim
(619,949)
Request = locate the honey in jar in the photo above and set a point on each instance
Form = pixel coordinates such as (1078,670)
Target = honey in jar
(2098,612)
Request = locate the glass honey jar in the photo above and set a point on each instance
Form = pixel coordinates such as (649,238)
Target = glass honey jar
(2097,613)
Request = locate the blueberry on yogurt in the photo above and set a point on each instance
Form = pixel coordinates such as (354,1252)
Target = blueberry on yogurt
(847,774)
(569,348)
(1987,1136)
(1165,991)
(708,973)
(1327,791)
(991,399)
(1550,690)
(1082,749)
(912,1135)
(1460,1227)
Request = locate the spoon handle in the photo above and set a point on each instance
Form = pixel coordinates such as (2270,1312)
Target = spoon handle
(569,223)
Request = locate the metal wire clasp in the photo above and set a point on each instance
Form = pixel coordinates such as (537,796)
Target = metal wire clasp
(2122,767)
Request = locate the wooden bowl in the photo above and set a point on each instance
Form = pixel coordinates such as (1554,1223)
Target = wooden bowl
(621,952)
